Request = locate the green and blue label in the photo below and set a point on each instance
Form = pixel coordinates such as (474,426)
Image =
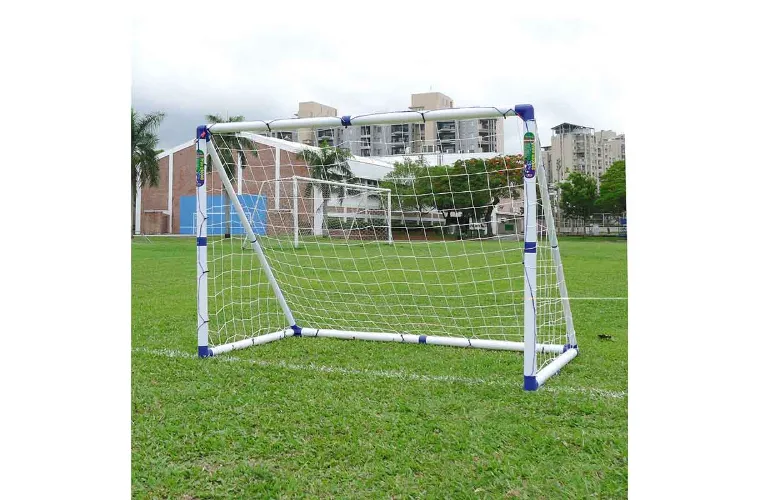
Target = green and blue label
(529,155)
(200,171)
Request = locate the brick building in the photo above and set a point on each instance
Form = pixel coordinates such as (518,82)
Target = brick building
(169,208)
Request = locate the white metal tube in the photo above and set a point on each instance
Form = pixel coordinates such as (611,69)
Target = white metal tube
(553,367)
(295,212)
(239,178)
(138,203)
(529,253)
(343,184)
(242,344)
(370,119)
(428,339)
(251,236)
(201,244)
(390,225)
(277,178)
(170,195)
(559,270)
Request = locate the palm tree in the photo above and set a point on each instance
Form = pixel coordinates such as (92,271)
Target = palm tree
(230,149)
(330,164)
(144,153)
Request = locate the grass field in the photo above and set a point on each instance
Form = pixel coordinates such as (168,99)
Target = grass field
(324,418)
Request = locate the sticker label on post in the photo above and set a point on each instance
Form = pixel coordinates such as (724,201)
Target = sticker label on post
(529,155)
(200,171)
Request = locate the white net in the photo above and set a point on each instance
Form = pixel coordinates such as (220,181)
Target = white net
(417,243)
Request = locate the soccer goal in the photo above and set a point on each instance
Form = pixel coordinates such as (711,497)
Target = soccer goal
(393,227)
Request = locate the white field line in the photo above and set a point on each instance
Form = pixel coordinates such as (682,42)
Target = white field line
(388,374)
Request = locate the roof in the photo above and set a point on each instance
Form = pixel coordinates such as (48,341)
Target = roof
(362,167)
(173,150)
(570,126)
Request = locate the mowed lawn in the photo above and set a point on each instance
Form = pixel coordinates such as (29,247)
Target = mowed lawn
(325,418)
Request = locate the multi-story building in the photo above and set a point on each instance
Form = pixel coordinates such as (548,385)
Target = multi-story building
(455,136)
(575,148)
(311,109)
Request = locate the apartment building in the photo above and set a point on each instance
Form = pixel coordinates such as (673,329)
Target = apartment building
(456,136)
(576,148)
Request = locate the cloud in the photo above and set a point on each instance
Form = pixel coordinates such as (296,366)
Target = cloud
(260,60)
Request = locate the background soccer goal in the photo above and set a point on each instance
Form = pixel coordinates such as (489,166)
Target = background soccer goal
(309,240)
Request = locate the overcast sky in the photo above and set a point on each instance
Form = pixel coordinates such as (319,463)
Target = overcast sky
(260,60)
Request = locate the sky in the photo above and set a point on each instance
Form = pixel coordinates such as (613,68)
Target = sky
(260,60)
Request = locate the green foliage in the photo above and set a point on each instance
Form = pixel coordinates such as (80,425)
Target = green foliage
(578,196)
(472,187)
(612,190)
(248,424)
(144,148)
(230,147)
(328,163)
(144,164)
(402,181)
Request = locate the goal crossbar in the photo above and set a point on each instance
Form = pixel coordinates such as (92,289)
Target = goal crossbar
(535,191)
(392,118)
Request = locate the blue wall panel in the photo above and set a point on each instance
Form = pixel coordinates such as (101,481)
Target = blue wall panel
(254,206)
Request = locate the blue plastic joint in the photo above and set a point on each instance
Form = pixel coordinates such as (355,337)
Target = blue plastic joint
(570,346)
(531,384)
(201,242)
(345,120)
(530,247)
(202,132)
(423,339)
(296,330)
(204,352)
(525,111)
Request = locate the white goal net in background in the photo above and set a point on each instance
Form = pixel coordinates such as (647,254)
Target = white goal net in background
(321,241)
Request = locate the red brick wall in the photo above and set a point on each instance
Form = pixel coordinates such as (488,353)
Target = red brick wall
(155,198)
(259,169)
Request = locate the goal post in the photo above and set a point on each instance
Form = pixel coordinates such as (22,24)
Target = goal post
(352,248)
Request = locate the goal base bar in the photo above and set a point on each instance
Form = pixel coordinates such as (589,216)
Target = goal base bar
(503,345)
(533,382)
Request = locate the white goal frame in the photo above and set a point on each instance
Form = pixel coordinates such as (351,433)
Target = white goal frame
(534,185)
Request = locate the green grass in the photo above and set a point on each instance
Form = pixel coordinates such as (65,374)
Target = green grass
(324,418)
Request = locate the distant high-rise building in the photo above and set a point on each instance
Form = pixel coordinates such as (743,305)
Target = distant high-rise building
(575,148)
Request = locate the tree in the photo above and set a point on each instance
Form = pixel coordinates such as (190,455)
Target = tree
(508,182)
(328,163)
(578,196)
(612,189)
(231,148)
(470,189)
(144,153)
(402,181)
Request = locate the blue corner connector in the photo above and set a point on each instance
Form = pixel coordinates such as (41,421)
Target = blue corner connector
(531,384)
(204,352)
(570,346)
(202,133)
(422,339)
(525,111)
(296,330)
(345,120)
